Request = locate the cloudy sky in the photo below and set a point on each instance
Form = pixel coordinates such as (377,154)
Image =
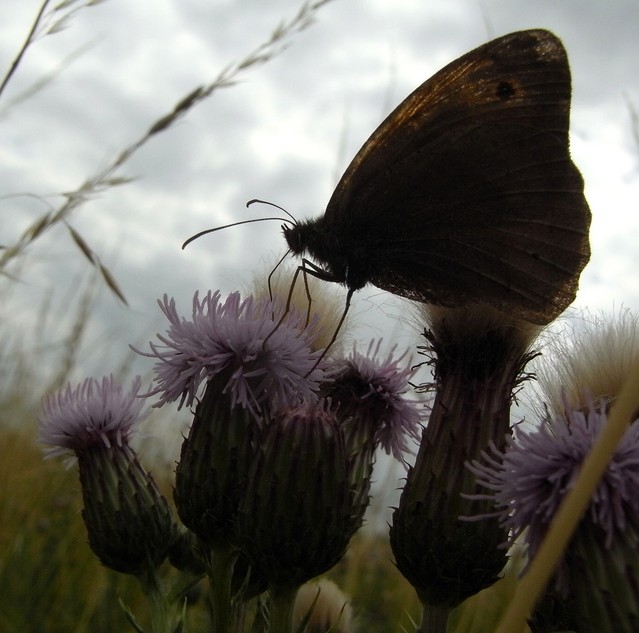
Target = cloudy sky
(283,133)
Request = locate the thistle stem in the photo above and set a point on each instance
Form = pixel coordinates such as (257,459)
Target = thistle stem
(161,612)
(282,603)
(220,575)
(434,619)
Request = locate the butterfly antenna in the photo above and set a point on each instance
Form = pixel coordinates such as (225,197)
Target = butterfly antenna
(227,226)
(272,204)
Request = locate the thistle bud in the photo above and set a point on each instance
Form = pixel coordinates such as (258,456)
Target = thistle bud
(211,474)
(478,355)
(297,515)
(129,523)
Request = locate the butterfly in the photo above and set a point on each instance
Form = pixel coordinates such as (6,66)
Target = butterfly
(466,193)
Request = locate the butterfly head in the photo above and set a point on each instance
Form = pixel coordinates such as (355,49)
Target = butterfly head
(340,260)
(294,238)
(315,239)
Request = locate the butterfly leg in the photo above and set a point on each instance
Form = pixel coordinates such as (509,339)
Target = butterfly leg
(306,268)
(309,268)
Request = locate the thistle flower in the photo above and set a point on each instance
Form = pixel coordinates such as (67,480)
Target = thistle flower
(74,420)
(529,479)
(370,390)
(247,365)
(598,577)
(129,523)
(262,362)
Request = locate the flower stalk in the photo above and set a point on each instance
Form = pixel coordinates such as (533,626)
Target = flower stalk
(282,603)
(166,615)
(224,606)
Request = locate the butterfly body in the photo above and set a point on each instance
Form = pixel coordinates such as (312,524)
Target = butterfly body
(466,193)
(343,262)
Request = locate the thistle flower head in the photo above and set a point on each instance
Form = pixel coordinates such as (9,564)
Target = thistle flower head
(129,523)
(240,337)
(591,360)
(530,478)
(372,389)
(94,412)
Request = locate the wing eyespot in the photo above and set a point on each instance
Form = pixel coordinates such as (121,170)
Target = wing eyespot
(505,90)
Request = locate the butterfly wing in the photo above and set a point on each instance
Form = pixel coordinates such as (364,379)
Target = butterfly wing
(467,193)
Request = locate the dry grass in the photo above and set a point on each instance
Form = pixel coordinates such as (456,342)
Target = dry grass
(110,176)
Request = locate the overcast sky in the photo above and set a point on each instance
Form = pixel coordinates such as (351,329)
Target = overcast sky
(284,133)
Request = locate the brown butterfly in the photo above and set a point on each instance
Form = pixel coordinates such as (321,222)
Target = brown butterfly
(466,193)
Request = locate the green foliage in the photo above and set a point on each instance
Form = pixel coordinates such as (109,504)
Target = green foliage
(382,598)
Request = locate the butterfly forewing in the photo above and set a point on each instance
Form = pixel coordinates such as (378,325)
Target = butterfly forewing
(467,191)
(470,91)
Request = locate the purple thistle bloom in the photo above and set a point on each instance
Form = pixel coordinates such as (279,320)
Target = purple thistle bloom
(530,479)
(238,337)
(372,389)
(93,413)
(129,523)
